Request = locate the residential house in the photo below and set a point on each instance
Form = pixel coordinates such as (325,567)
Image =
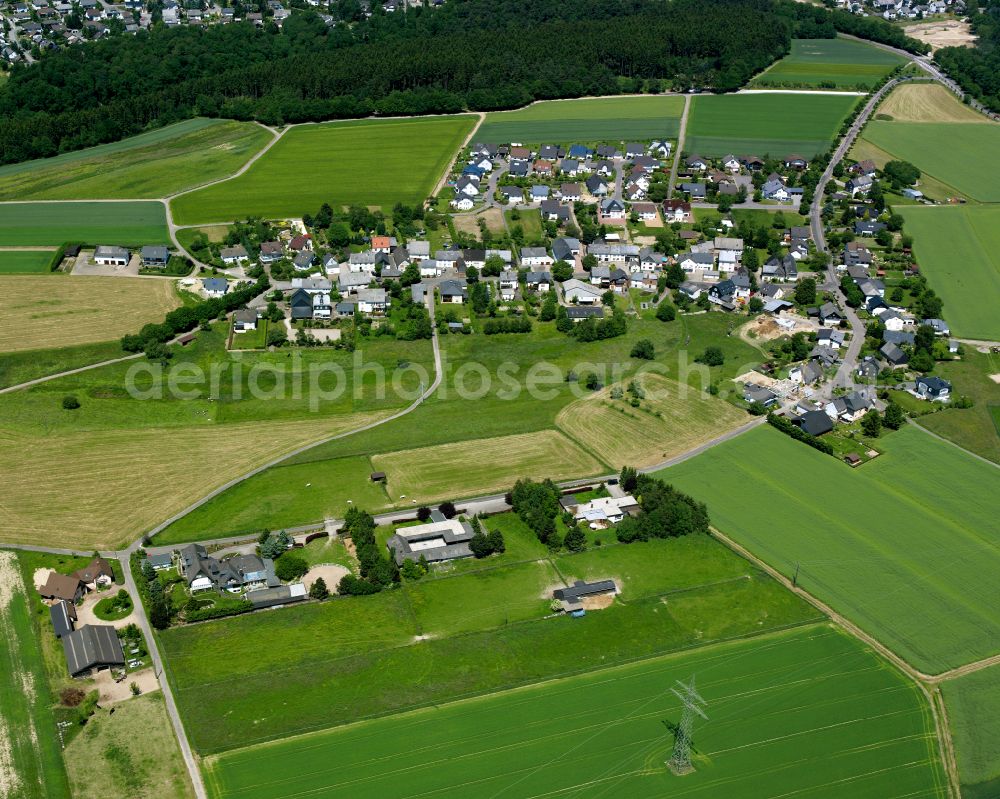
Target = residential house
(570,192)
(753,393)
(245,319)
(868,227)
(566,249)
(578,313)
(723,293)
(731,163)
(453,292)
(511,194)
(830,337)
(111,256)
(160,562)
(576,291)
(214,286)
(538,281)
(554,211)
(859,184)
(690,290)
(569,167)
(63,587)
(895,356)
(603,510)
(694,191)
(301,304)
(536,256)
(234,255)
(539,193)
(611,210)
(508,283)
(692,261)
(796,162)
(467,186)
(696,163)
(866,168)
(373,301)
(154,256)
(303,261)
(676,211)
(606,252)
(934,389)
(815,423)
(596,186)
(519,168)
(646,212)
(96,574)
(775,190)
(830,314)
(848,408)
(271,251)
(806,373)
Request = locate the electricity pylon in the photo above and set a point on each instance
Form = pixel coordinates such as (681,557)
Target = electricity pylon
(680,758)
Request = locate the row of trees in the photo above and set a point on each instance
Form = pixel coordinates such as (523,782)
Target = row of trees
(377,571)
(666,512)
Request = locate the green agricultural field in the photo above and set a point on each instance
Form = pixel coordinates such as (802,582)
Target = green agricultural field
(950,152)
(151,165)
(52,224)
(366,162)
(478,629)
(842,63)
(958,249)
(802,713)
(599,119)
(25,262)
(905,546)
(765,124)
(31,765)
(20,367)
(973,703)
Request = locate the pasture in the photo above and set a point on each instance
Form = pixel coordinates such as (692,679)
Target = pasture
(906,552)
(31,765)
(834,63)
(42,311)
(367,162)
(765,124)
(596,119)
(476,626)
(672,419)
(132,753)
(483,466)
(148,166)
(926,102)
(946,151)
(25,262)
(799,713)
(958,249)
(973,704)
(51,224)
(25,365)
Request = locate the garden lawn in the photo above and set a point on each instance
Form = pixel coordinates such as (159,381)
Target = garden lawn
(801,713)
(31,765)
(958,249)
(905,546)
(765,124)
(151,165)
(357,657)
(366,162)
(25,262)
(951,152)
(285,496)
(973,703)
(598,119)
(43,311)
(470,468)
(842,63)
(26,224)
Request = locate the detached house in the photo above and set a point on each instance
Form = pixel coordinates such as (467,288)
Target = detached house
(933,388)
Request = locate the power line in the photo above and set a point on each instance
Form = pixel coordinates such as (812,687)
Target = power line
(680,758)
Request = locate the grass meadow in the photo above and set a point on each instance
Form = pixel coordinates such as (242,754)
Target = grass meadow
(948,151)
(148,166)
(31,765)
(44,312)
(905,546)
(367,162)
(973,704)
(598,119)
(476,629)
(765,124)
(30,224)
(843,63)
(806,712)
(958,249)
(24,365)
(25,262)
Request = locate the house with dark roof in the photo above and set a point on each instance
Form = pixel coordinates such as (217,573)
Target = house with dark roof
(63,586)
(577,313)
(815,423)
(848,408)
(63,616)
(97,573)
(934,389)
(572,597)
(91,648)
(154,256)
(894,355)
(754,393)
(438,540)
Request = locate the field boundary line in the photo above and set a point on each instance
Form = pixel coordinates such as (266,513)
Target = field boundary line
(931,433)
(481,117)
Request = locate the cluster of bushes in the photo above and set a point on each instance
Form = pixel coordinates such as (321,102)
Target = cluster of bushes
(218,611)
(592,329)
(151,590)
(152,337)
(377,570)
(537,505)
(484,544)
(793,430)
(507,324)
(666,512)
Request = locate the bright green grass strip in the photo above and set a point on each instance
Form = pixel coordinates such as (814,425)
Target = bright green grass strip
(367,162)
(955,153)
(759,124)
(151,165)
(20,367)
(958,249)
(905,546)
(45,224)
(803,713)
(25,262)
(973,703)
(599,119)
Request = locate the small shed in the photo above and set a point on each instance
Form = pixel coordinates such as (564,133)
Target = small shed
(378,477)
(852,459)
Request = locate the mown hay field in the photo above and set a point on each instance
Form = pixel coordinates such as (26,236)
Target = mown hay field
(42,311)
(765,123)
(803,713)
(926,102)
(482,466)
(843,63)
(367,162)
(43,224)
(905,546)
(101,489)
(672,419)
(150,165)
(597,119)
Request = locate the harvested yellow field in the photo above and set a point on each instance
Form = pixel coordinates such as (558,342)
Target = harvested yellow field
(671,420)
(927,102)
(100,490)
(483,466)
(43,311)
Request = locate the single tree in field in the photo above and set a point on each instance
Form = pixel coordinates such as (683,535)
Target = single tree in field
(894,418)
(575,540)
(319,589)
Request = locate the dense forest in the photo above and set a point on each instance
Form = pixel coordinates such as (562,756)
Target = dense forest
(467,54)
(978,70)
